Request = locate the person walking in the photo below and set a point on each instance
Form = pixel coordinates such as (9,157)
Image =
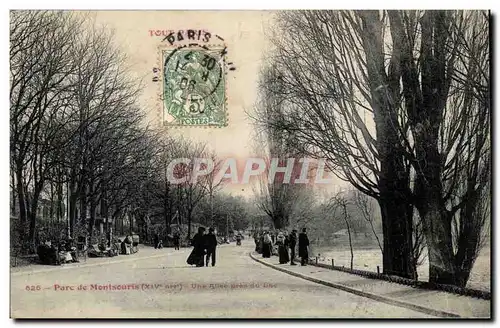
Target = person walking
(292,240)
(198,253)
(155,240)
(256,240)
(261,243)
(177,239)
(282,248)
(267,245)
(303,247)
(211,245)
(238,239)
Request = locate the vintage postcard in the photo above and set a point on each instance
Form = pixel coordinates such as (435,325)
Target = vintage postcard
(250,164)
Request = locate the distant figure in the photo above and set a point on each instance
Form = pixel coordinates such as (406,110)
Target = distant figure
(123,247)
(198,253)
(71,249)
(303,247)
(238,239)
(210,245)
(177,240)
(282,248)
(128,242)
(256,241)
(261,243)
(267,245)
(292,242)
(155,240)
(160,244)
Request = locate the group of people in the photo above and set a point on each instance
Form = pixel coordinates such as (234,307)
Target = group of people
(52,252)
(127,245)
(204,245)
(265,242)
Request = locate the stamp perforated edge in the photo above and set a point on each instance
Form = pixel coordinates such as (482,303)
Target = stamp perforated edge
(159,96)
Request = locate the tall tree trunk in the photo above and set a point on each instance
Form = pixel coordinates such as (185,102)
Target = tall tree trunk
(168,208)
(189,212)
(122,226)
(346,219)
(59,188)
(397,245)
(93,210)
(14,191)
(52,196)
(32,216)
(72,209)
(130,216)
(468,242)
(83,197)
(21,197)
(433,213)
(393,182)
(426,90)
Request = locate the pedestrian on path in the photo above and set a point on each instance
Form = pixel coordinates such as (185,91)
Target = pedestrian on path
(303,247)
(177,238)
(292,243)
(282,248)
(267,245)
(210,244)
(256,240)
(198,253)
(156,240)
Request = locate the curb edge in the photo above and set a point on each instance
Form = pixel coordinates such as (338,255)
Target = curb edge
(358,292)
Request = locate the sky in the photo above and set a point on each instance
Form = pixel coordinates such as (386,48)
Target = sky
(141,36)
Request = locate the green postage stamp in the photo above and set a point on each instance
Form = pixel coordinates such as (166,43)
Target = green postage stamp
(194,86)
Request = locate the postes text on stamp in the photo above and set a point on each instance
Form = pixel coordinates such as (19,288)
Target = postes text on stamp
(194,84)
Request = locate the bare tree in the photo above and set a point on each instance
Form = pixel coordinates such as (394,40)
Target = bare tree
(40,42)
(365,206)
(106,128)
(332,70)
(339,203)
(445,76)
(418,243)
(212,185)
(279,197)
(73,118)
(424,78)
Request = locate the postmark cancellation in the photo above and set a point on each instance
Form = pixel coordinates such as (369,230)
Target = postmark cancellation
(193,88)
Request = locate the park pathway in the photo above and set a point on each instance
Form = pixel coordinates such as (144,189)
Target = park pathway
(159,284)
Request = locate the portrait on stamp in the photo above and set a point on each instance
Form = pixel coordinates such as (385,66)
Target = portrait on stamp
(193,86)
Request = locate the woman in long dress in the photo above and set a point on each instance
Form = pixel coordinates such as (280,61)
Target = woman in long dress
(260,243)
(198,253)
(282,248)
(267,246)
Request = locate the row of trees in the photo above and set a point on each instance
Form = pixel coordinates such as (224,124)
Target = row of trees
(398,103)
(78,137)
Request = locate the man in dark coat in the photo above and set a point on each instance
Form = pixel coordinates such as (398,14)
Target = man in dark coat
(155,240)
(177,238)
(303,247)
(210,244)
(292,241)
(256,240)
(198,253)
